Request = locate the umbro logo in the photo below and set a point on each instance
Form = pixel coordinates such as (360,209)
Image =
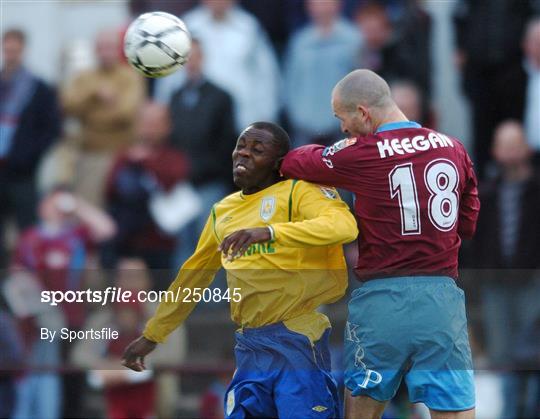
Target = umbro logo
(225,219)
(319,408)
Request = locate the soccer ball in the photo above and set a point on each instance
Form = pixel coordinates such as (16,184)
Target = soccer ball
(157,44)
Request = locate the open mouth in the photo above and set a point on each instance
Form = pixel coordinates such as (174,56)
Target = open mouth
(240,168)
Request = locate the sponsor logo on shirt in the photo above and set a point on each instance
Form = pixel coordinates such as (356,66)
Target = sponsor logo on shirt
(388,148)
(260,248)
(338,146)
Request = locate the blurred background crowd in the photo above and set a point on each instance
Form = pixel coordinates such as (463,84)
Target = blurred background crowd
(94,159)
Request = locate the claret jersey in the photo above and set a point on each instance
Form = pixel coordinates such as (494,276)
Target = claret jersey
(415,196)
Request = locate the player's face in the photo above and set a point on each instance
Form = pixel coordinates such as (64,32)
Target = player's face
(353,122)
(255,160)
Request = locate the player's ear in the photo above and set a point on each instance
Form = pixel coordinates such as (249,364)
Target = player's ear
(277,165)
(363,111)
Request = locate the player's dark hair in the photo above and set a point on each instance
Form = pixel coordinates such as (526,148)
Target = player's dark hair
(279,135)
(15,34)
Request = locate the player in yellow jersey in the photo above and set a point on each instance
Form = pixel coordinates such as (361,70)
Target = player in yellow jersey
(285,265)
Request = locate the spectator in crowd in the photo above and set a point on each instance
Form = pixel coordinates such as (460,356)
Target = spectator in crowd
(238,58)
(413,30)
(507,249)
(275,16)
(147,167)
(127,394)
(527,350)
(488,383)
(29,124)
(211,402)
(396,51)
(178,8)
(318,56)
(410,100)
(488,38)
(55,253)
(203,129)
(132,274)
(531,47)
(57,248)
(11,358)
(105,102)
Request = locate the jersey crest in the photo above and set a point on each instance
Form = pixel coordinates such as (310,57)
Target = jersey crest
(268,208)
(328,192)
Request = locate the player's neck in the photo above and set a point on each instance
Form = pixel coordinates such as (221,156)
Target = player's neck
(263,185)
(392,115)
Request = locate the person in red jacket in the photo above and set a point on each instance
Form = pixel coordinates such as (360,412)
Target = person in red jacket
(127,394)
(147,167)
(415,199)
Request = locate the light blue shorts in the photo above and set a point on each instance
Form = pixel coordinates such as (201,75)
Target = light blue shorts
(412,328)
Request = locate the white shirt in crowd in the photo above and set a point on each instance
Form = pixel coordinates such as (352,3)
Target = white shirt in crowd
(239,58)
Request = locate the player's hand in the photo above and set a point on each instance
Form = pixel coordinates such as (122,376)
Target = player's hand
(236,244)
(134,354)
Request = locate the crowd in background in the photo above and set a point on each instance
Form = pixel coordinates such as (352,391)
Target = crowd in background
(89,170)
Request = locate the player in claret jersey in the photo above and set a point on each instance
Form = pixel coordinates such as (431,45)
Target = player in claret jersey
(415,198)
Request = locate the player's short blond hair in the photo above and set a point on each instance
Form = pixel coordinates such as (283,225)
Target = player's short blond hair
(363,87)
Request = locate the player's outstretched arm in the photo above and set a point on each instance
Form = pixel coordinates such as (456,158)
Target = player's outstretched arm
(197,272)
(326,165)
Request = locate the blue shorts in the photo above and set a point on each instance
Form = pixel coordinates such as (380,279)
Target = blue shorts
(279,373)
(412,328)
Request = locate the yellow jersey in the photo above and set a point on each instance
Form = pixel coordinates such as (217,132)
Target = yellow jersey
(283,280)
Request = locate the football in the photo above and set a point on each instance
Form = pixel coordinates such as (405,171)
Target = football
(157,44)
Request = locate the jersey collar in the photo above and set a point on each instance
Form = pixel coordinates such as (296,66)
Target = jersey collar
(397,125)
